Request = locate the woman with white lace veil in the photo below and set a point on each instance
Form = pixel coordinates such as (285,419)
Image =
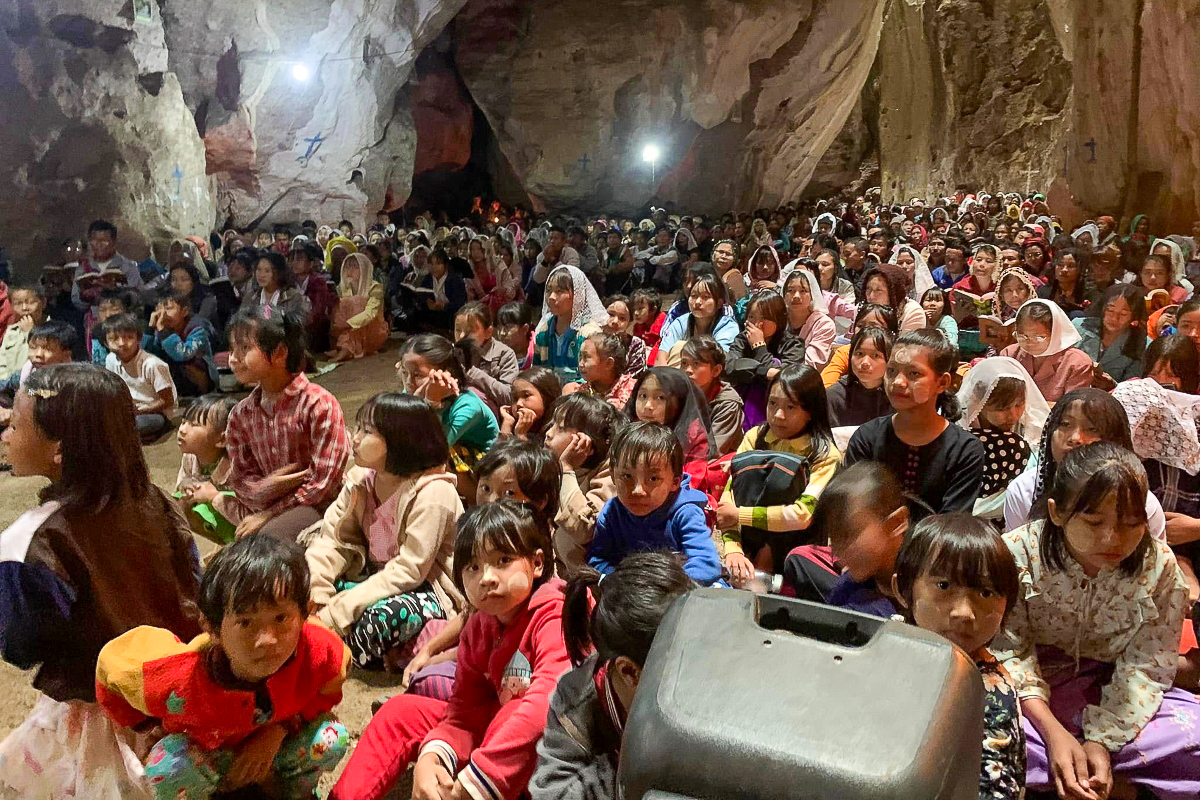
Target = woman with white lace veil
(1005,410)
(571,312)
(920,279)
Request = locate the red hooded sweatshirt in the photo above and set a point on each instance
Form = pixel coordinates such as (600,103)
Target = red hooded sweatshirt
(506,674)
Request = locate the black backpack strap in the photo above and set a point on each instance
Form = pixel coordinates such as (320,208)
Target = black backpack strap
(762,436)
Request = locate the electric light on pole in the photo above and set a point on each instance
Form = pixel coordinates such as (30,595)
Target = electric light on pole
(650,154)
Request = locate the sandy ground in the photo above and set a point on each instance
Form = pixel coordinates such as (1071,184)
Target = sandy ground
(353,383)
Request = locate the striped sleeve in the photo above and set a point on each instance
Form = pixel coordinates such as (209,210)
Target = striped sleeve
(795,516)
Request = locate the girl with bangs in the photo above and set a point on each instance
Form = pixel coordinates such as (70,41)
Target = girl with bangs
(1091,643)
(482,743)
(706,302)
(956,577)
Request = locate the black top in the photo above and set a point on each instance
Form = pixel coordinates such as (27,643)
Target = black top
(947,473)
(745,364)
(1007,454)
(851,404)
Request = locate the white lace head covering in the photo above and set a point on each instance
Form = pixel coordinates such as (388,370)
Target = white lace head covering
(1162,423)
(1178,262)
(588,307)
(1088,228)
(981,380)
(922,277)
(819,303)
(832,222)
(365,275)
(1062,332)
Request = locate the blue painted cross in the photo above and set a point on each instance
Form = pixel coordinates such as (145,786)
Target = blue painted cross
(314,144)
(584,161)
(178,176)
(1091,145)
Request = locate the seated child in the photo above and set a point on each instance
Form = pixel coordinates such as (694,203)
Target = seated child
(203,481)
(184,342)
(602,361)
(572,312)
(287,441)
(703,360)
(1092,641)
(359,327)
(620,322)
(533,393)
(864,516)
(655,508)
(381,565)
(957,578)
(480,744)
(514,327)
(247,702)
(578,754)
(760,536)
(435,370)
(147,376)
(666,396)
(49,343)
(496,365)
(29,308)
(579,435)
(648,321)
(110,303)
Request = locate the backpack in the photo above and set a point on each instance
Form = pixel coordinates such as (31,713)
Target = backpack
(766,477)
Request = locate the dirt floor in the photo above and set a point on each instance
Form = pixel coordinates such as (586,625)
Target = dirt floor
(352,383)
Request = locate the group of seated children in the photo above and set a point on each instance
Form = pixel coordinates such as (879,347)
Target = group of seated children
(514,557)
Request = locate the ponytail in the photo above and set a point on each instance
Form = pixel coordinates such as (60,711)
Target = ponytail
(629,606)
(943,359)
(442,354)
(576,614)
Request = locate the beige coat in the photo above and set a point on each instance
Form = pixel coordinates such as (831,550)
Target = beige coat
(427,509)
(581,496)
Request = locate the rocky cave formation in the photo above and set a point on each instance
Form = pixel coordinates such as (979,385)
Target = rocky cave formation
(172,117)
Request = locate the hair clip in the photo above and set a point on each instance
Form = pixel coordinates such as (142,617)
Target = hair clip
(45,394)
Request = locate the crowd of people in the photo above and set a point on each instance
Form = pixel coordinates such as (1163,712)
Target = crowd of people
(959,414)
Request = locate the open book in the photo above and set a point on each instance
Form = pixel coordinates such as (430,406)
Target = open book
(996,333)
(964,305)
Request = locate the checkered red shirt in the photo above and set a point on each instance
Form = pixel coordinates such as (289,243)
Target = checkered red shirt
(303,425)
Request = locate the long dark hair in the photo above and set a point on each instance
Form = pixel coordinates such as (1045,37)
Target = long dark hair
(881,338)
(803,385)
(1105,412)
(1081,263)
(943,359)
(441,353)
(1087,477)
(717,289)
(686,405)
(1135,343)
(770,305)
(629,606)
(1179,351)
(89,412)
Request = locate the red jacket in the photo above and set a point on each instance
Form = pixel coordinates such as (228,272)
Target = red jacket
(147,673)
(651,334)
(7,315)
(502,690)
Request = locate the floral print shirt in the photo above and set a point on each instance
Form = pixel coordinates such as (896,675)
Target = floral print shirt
(1130,621)
(1002,771)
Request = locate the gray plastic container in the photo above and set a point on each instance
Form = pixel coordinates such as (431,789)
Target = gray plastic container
(755,697)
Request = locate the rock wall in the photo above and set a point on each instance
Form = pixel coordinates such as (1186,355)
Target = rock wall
(93,126)
(973,93)
(282,149)
(742,98)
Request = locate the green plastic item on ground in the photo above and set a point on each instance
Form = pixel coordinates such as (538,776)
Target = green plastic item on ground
(216,527)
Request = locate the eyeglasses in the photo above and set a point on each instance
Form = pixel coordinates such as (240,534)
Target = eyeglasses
(1023,337)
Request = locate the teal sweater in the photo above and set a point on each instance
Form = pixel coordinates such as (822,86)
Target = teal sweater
(469,422)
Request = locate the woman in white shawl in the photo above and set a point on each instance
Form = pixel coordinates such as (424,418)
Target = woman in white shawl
(1180,287)
(571,312)
(1005,410)
(358,327)
(920,279)
(808,317)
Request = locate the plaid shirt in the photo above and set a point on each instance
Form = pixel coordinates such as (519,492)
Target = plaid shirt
(303,425)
